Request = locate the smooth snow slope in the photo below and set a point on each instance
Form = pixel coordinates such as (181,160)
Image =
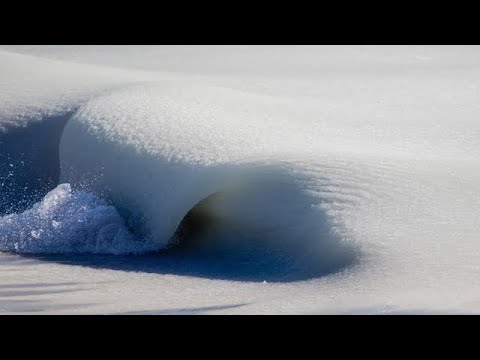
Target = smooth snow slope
(348,176)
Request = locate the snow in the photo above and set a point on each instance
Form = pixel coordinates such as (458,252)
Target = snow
(298,179)
(65,222)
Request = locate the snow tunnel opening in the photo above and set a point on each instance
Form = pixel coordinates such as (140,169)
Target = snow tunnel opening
(196,223)
(260,231)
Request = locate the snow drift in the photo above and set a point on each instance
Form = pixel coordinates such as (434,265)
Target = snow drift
(162,152)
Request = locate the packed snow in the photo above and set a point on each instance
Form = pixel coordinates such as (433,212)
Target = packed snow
(239,179)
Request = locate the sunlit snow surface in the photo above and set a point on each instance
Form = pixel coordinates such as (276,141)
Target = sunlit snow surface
(239,179)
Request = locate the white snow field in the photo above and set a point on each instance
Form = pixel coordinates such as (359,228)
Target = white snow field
(240,179)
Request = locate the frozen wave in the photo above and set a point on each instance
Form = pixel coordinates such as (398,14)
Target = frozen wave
(220,196)
(165,152)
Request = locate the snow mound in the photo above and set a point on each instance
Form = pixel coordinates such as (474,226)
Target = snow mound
(158,151)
